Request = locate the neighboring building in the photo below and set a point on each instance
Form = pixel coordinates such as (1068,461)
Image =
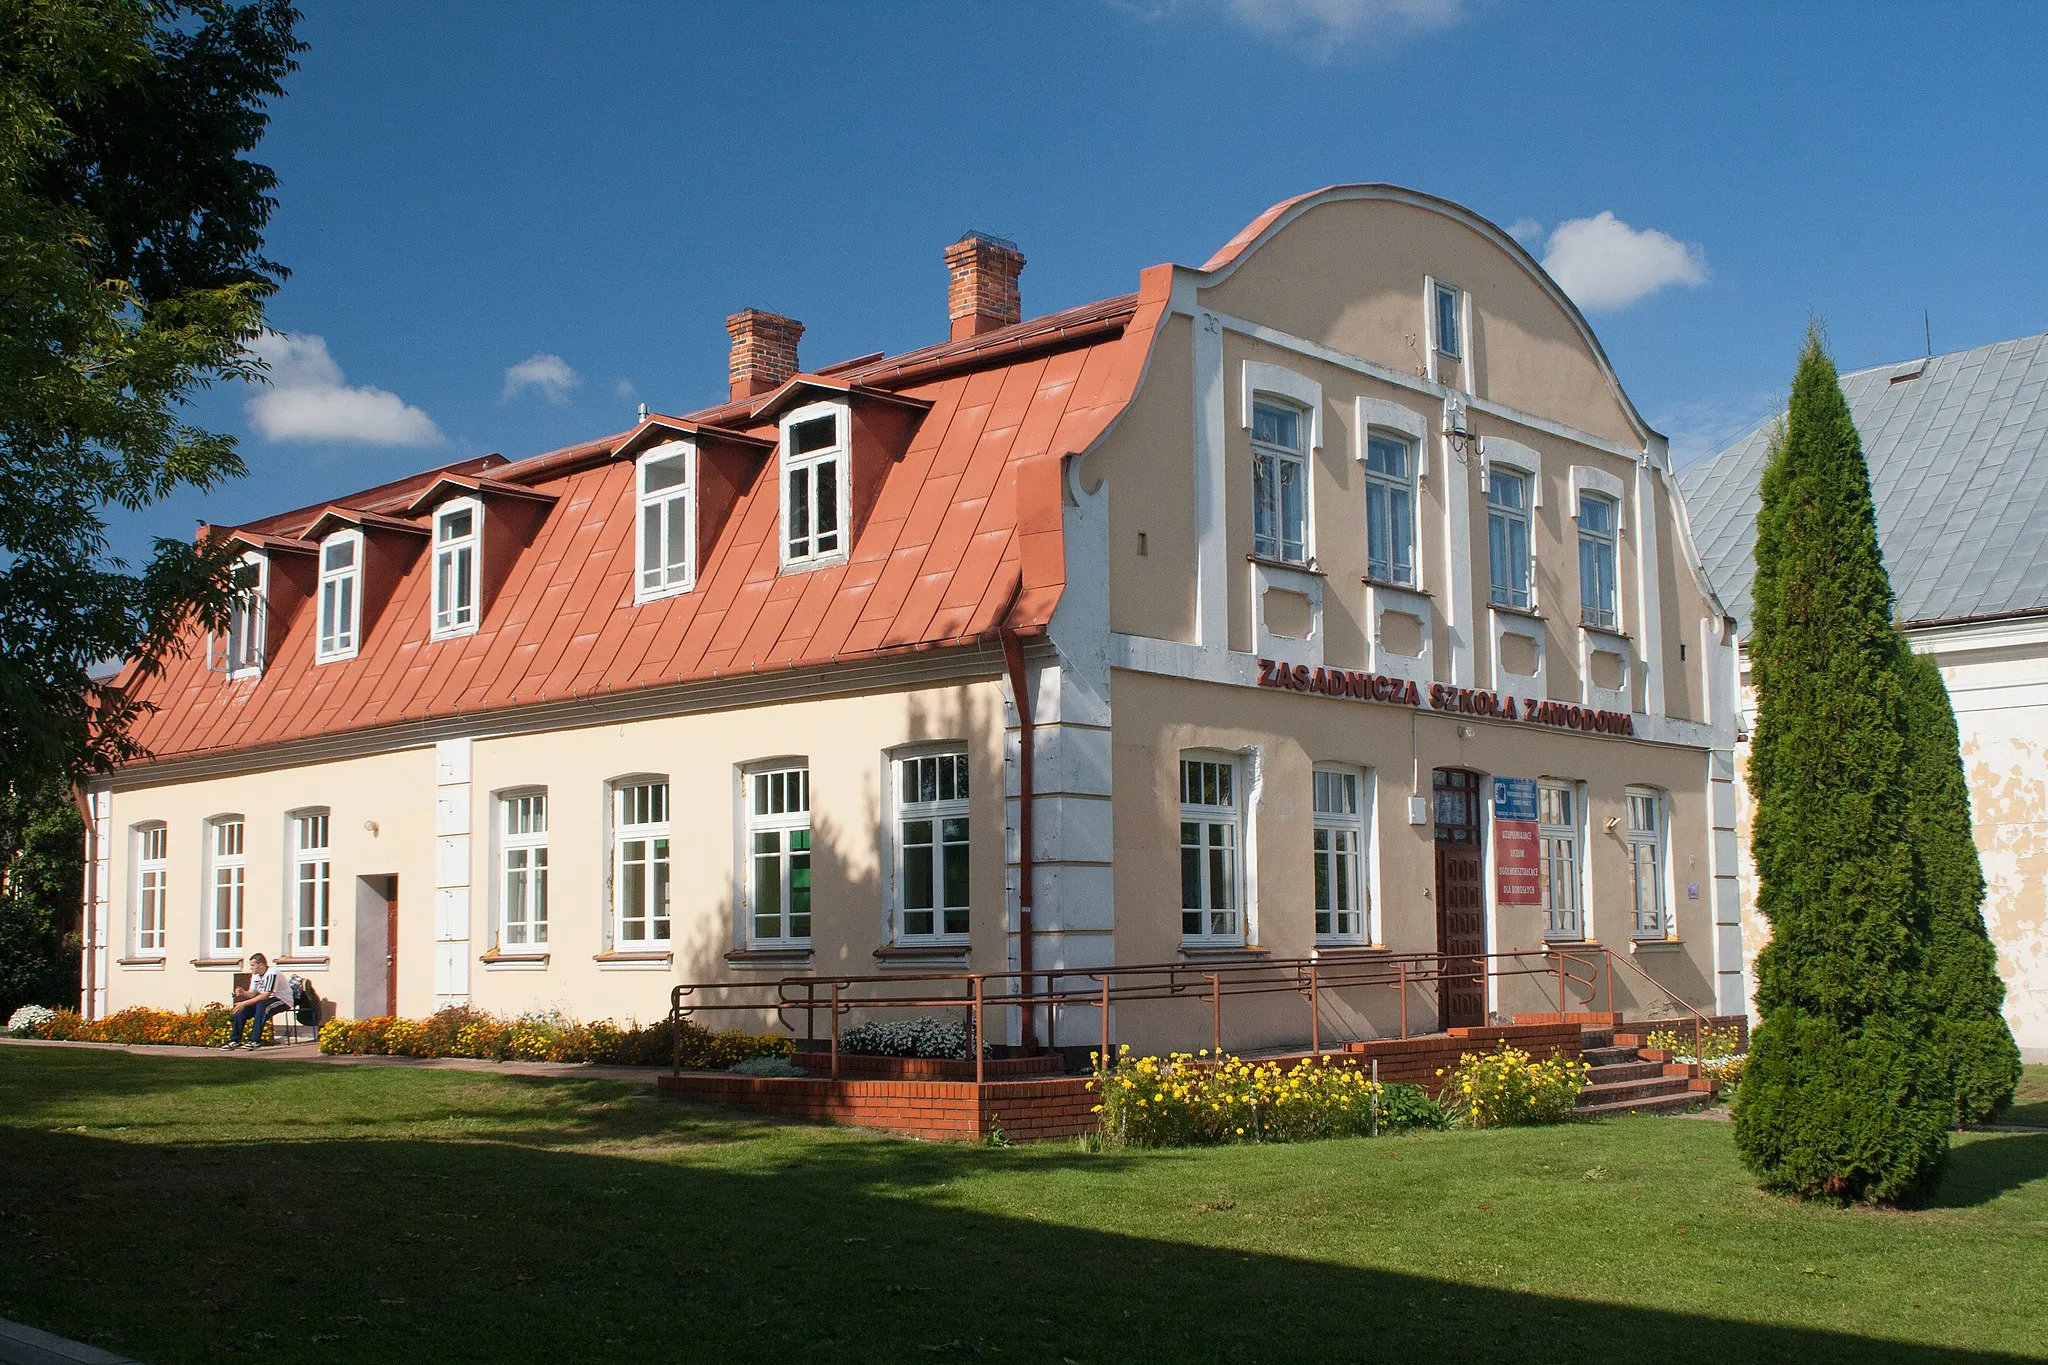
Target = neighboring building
(1956,447)
(1291,553)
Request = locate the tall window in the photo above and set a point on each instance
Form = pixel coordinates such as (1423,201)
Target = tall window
(779,855)
(227,871)
(1557,845)
(813,486)
(340,595)
(242,648)
(1279,484)
(1340,861)
(1596,561)
(523,858)
(1209,897)
(1646,861)
(640,875)
(668,532)
(455,552)
(152,881)
(311,883)
(931,846)
(1389,510)
(1507,535)
(1447,339)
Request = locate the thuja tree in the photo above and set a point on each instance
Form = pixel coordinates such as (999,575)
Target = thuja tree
(1966,998)
(1844,1095)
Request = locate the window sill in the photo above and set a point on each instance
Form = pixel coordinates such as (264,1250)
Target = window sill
(154,964)
(765,958)
(1344,950)
(1529,613)
(498,960)
(1612,632)
(1289,565)
(317,963)
(218,964)
(1560,941)
(916,954)
(1224,952)
(1657,945)
(642,598)
(636,961)
(1392,586)
(831,561)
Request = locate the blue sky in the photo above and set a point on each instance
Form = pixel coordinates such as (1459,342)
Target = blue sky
(587,192)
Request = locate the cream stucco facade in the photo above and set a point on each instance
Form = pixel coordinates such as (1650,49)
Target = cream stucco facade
(1166,645)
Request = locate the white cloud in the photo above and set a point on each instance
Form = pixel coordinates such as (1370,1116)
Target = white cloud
(548,375)
(1602,262)
(1323,24)
(1525,230)
(623,388)
(1709,426)
(306,400)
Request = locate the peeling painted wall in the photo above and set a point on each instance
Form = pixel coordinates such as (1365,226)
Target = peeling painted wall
(1997,676)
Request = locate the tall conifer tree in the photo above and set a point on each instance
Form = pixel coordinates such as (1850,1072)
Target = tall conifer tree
(1843,1095)
(1965,995)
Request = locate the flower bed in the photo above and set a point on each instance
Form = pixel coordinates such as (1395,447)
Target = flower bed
(1507,1086)
(1719,1055)
(1186,1100)
(206,1027)
(461,1031)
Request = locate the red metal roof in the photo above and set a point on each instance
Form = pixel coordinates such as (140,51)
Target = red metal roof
(963,539)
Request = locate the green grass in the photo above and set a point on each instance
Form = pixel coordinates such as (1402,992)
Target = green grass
(2030,1105)
(461,1216)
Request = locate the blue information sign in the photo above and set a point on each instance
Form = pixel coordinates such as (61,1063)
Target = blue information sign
(1514,798)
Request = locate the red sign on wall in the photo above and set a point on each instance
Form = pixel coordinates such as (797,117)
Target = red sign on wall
(1518,876)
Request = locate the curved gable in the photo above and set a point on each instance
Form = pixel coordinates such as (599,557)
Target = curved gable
(1345,266)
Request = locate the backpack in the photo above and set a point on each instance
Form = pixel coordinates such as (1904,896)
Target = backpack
(308,1005)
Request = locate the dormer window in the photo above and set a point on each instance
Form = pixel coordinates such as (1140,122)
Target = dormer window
(1447,339)
(341,596)
(814,485)
(668,524)
(241,648)
(456,527)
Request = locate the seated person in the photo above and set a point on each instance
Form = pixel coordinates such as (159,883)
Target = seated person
(263,997)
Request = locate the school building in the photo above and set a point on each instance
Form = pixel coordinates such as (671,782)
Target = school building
(1327,601)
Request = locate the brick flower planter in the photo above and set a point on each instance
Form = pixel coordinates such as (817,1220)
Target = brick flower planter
(854,1065)
(1054,1107)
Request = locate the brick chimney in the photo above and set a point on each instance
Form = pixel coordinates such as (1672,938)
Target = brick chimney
(763,351)
(982,295)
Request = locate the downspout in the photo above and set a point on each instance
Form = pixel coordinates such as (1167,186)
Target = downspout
(89,904)
(1013,656)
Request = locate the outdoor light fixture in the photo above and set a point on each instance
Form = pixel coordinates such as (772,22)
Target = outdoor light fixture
(371,826)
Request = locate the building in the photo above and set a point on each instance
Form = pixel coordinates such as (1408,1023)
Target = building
(1955,445)
(734,696)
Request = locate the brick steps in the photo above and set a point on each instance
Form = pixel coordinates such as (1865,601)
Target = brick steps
(1623,1077)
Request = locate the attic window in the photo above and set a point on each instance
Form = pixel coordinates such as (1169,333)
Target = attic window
(668,531)
(341,596)
(239,652)
(814,486)
(457,527)
(1447,339)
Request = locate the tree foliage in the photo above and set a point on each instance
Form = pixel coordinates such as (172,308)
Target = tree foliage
(1966,997)
(42,869)
(131,275)
(1843,1095)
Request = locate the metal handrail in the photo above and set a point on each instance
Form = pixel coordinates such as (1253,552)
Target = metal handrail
(1138,982)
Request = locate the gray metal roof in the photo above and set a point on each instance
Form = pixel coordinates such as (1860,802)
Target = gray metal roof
(1958,465)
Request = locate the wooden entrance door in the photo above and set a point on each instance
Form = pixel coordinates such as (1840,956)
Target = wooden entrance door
(1460,900)
(391,947)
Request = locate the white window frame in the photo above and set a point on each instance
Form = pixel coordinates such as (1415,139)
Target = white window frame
(638,819)
(152,844)
(309,928)
(335,639)
(1501,523)
(1333,828)
(657,573)
(1390,488)
(227,885)
(457,614)
(775,804)
(1561,839)
(1452,347)
(1645,829)
(1281,459)
(1212,806)
(806,467)
(522,829)
(950,835)
(241,645)
(1605,548)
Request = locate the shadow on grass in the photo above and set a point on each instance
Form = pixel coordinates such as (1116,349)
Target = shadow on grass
(1990,1165)
(821,1250)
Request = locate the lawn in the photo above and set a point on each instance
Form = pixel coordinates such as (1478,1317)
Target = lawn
(2030,1105)
(205,1210)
